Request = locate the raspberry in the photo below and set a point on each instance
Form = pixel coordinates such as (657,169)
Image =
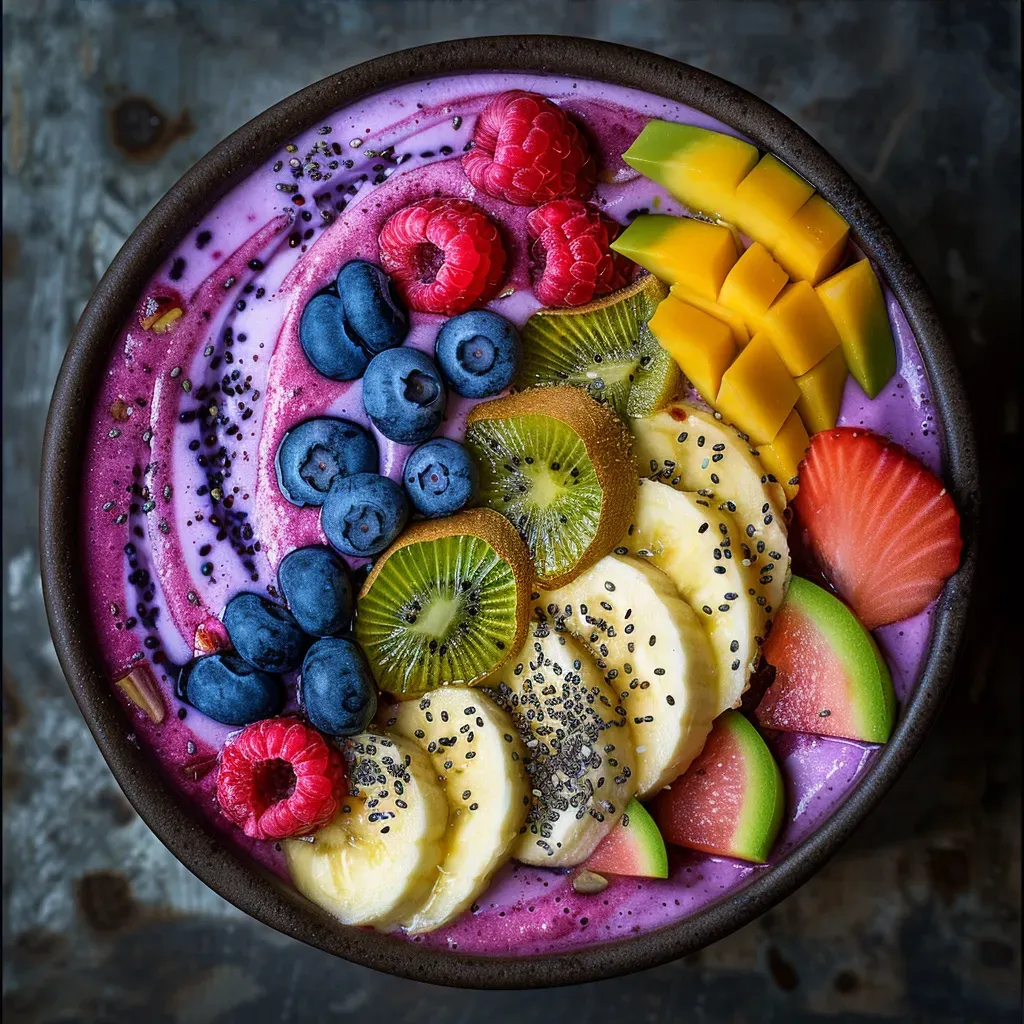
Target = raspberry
(527,151)
(570,255)
(444,255)
(279,779)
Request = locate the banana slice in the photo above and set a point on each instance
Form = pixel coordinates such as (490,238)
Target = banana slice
(478,756)
(694,544)
(377,861)
(579,755)
(688,448)
(653,651)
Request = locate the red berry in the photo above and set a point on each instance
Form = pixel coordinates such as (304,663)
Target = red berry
(882,527)
(280,778)
(444,255)
(527,151)
(570,255)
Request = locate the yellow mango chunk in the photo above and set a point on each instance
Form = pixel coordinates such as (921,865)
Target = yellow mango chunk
(680,250)
(782,457)
(701,168)
(813,241)
(757,393)
(853,300)
(767,198)
(702,345)
(800,328)
(821,392)
(753,285)
(715,309)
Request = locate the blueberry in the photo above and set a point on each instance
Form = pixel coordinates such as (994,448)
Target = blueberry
(228,690)
(364,513)
(265,634)
(315,584)
(479,352)
(374,313)
(316,451)
(404,395)
(327,341)
(440,477)
(337,689)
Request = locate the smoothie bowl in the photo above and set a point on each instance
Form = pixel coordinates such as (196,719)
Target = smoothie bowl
(506,524)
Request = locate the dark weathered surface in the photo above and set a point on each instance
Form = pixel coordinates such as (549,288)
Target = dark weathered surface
(919,917)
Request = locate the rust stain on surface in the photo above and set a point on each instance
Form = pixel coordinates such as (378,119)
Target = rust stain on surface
(142,131)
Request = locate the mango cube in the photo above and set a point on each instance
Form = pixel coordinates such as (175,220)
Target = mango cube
(812,242)
(680,250)
(757,393)
(716,309)
(767,198)
(753,285)
(702,345)
(701,168)
(799,328)
(853,300)
(782,457)
(821,392)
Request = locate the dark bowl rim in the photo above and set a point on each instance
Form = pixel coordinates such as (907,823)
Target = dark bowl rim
(195,843)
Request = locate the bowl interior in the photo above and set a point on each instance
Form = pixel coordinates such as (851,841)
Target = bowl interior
(198,846)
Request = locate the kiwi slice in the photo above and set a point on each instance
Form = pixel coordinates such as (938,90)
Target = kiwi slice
(605,347)
(556,464)
(446,604)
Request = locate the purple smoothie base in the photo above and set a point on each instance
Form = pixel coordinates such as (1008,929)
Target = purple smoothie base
(525,911)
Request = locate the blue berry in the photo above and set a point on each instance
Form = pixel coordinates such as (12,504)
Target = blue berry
(404,395)
(336,688)
(315,584)
(375,315)
(316,451)
(229,690)
(265,634)
(327,341)
(479,353)
(364,513)
(440,477)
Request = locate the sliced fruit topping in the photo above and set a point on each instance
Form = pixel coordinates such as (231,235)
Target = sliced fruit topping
(731,800)
(376,861)
(440,478)
(447,604)
(680,251)
(783,456)
(853,299)
(526,150)
(753,285)
(654,654)
(604,347)
(688,448)
(580,758)
(830,678)
(316,585)
(702,551)
(444,255)
(336,688)
(363,514)
(481,762)
(278,778)
(229,690)
(767,199)
(556,464)
(634,847)
(821,392)
(403,395)
(479,353)
(265,634)
(882,527)
(800,328)
(570,258)
(316,451)
(729,317)
(757,392)
(813,241)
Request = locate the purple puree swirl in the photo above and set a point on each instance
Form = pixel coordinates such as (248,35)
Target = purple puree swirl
(181,506)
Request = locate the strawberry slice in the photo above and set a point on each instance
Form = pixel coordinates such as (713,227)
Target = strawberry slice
(882,527)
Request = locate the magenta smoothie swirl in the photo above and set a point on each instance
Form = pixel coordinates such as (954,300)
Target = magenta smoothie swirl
(188,502)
